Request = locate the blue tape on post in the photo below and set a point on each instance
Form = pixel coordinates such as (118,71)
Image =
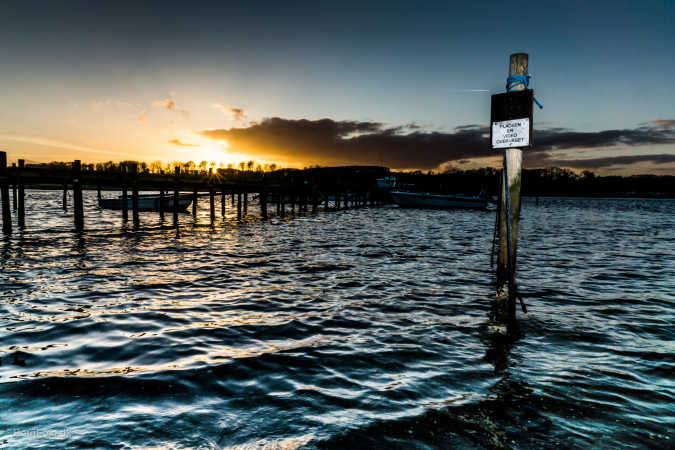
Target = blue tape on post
(516,80)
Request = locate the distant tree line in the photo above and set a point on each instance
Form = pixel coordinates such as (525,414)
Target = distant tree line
(554,181)
(159,167)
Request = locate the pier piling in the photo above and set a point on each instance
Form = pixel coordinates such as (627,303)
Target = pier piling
(125,206)
(21,212)
(194,201)
(134,195)
(222,203)
(78,207)
(176,195)
(161,204)
(14,200)
(4,195)
(212,204)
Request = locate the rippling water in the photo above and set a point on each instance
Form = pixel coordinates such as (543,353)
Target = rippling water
(359,328)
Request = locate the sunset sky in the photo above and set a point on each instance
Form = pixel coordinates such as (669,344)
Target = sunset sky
(401,84)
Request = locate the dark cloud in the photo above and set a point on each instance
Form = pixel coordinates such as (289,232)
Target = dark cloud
(181,144)
(341,142)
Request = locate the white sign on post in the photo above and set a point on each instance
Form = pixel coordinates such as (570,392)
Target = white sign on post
(511,133)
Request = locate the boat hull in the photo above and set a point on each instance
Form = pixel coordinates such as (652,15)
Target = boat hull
(147,203)
(438,201)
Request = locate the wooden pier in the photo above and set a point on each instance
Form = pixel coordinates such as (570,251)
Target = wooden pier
(336,187)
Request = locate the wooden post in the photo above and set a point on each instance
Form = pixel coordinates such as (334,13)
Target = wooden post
(161,204)
(315,199)
(245,202)
(505,300)
(263,203)
(212,204)
(134,195)
(194,201)
(176,195)
(278,199)
(14,201)
(238,205)
(232,198)
(78,208)
(282,201)
(21,217)
(125,206)
(98,192)
(4,195)
(222,203)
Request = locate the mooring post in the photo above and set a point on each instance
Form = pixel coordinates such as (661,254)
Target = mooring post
(14,201)
(505,300)
(176,195)
(222,202)
(238,205)
(212,204)
(78,207)
(263,203)
(315,199)
(125,206)
(98,192)
(134,195)
(194,201)
(4,195)
(282,201)
(161,204)
(21,218)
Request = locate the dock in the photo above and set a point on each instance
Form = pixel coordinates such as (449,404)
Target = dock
(320,189)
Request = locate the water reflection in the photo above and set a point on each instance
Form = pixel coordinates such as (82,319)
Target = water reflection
(339,329)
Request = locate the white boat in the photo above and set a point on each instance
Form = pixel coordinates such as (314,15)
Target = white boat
(426,200)
(149,202)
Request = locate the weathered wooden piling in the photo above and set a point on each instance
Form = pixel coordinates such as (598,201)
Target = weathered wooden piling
(245,202)
(222,203)
(212,204)
(238,205)
(125,207)
(14,200)
(263,203)
(161,204)
(4,195)
(134,195)
(98,192)
(195,197)
(21,212)
(176,195)
(505,300)
(78,207)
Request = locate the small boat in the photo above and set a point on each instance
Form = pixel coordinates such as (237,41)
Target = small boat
(149,202)
(425,200)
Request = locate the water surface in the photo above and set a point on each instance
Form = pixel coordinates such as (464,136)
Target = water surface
(358,328)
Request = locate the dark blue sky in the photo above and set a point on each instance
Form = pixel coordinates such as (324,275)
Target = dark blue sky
(596,65)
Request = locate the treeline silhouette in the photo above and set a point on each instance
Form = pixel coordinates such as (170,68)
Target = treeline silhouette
(552,181)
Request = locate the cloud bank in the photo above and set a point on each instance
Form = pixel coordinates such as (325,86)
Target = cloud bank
(327,141)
